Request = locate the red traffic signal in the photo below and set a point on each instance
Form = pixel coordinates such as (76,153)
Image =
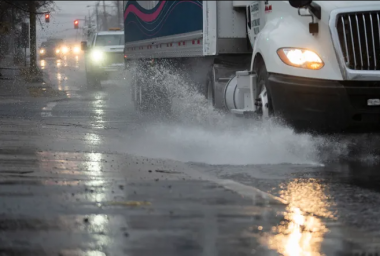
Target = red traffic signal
(76,24)
(47,17)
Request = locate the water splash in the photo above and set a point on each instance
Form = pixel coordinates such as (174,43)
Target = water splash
(199,133)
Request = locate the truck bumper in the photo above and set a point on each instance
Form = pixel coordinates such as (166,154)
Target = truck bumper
(113,68)
(104,72)
(325,105)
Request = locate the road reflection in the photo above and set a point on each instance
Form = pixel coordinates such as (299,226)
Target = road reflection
(92,139)
(297,235)
(42,64)
(59,79)
(310,196)
(98,106)
(65,64)
(76,61)
(79,165)
(94,163)
(302,234)
(82,253)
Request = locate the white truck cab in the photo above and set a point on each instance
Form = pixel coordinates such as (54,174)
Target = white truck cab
(103,55)
(313,64)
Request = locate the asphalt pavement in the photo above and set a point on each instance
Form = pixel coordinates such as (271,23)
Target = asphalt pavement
(83,173)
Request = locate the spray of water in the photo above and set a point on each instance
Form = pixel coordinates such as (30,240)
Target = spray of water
(198,133)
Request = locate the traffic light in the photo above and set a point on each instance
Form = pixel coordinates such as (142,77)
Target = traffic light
(47,17)
(76,24)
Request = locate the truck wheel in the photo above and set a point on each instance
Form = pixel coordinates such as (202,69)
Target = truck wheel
(265,99)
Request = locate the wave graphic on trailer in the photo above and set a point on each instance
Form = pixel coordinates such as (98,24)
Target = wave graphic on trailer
(166,18)
(160,21)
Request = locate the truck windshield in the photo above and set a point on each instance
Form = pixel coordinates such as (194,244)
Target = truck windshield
(104,40)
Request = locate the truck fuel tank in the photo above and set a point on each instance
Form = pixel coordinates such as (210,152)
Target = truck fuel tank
(240,92)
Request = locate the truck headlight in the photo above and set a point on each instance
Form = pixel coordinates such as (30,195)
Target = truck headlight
(97,55)
(300,58)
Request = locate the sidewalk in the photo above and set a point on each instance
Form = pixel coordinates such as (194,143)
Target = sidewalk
(13,85)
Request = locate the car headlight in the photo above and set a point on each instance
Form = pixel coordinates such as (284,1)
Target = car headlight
(97,55)
(57,51)
(42,51)
(65,49)
(76,49)
(300,58)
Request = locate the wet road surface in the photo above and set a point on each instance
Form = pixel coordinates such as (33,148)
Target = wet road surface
(87,175)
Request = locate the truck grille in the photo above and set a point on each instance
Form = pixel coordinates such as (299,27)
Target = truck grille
(359,37)
(114,58)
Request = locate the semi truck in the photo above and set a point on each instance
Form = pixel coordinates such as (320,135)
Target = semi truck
(313,64)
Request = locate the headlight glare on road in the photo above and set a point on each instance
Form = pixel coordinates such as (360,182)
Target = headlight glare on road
(97,55)
(301,58)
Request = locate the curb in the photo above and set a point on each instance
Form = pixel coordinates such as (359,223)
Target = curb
(247,191)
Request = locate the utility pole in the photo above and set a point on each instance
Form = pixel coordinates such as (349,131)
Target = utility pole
(89,18)
(33,37)
(105,23)
(97,15)
(118,14)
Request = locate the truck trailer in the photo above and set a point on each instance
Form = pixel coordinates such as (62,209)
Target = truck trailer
(313,64)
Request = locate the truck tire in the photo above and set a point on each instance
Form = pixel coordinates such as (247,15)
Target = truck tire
(262,80)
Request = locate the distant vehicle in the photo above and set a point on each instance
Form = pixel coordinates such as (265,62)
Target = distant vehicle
(70,49)
(51,48)
(103,55)
(75,49)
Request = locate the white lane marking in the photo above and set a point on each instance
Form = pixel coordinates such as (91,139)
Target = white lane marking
(243,190)
(46,111)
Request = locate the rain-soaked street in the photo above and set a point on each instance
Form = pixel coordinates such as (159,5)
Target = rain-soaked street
(85,174)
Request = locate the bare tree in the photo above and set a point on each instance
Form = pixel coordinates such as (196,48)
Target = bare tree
(12,14)
(119,11)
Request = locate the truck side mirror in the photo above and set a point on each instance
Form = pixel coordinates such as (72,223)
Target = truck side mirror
(299,4)
(83,45)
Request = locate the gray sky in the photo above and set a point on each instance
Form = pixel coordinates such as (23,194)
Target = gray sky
(62,20)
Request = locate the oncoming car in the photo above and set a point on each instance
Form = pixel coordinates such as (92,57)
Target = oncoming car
(50,48)
(104,54)
(70,49)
